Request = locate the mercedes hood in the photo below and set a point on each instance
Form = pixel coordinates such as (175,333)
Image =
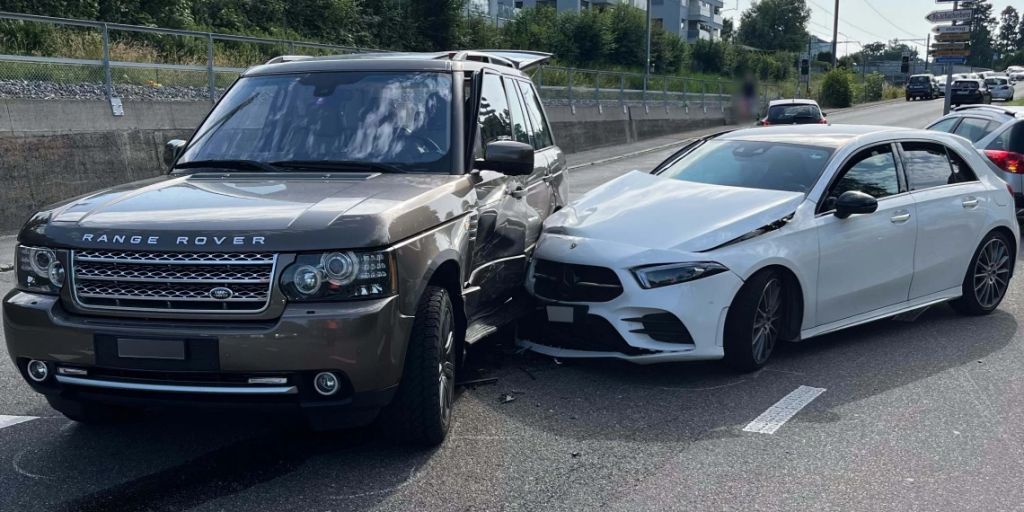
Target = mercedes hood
(644,210)
(243,211)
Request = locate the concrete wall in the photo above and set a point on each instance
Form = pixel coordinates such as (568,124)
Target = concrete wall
(52,150)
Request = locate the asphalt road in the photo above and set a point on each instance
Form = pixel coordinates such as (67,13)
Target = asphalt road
(925,415)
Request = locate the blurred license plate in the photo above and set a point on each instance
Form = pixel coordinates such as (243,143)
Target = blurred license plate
(566,314)
(139,348)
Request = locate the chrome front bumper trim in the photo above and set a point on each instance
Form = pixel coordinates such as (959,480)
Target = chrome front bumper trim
(171,388)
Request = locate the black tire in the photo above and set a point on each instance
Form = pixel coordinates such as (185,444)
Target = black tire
(421,411)
(988,277)
(91,413)
(747,323)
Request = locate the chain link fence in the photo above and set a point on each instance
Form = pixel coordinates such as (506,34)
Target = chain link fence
(43,57)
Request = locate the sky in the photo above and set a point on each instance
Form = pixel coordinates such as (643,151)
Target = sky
(859,22)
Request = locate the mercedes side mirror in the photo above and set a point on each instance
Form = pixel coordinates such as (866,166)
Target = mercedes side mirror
(855,202)
(508,157)
(172,150)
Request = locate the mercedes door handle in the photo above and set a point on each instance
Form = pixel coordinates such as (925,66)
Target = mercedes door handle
(970,202)
(900,217)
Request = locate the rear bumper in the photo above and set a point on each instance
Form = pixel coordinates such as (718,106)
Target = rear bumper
(363,343)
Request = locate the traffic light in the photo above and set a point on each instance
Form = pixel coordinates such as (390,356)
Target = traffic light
(805,67)
(905,64)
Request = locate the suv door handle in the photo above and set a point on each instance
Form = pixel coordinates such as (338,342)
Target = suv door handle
(900,217)
(517,192)
(970,202)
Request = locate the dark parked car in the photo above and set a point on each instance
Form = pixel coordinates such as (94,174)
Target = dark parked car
(326,244)
(796,111)
(970,91)
(922,86)
(998,132)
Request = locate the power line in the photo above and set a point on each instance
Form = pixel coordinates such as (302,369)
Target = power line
(851,25)
(887,19)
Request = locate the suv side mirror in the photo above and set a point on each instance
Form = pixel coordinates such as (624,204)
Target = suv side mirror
(855,202)
(508,157)
(172,150)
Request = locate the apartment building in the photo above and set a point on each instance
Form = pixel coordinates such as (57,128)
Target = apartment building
(689,19)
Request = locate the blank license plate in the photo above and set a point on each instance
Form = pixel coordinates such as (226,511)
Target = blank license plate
(136,348)
(566,314)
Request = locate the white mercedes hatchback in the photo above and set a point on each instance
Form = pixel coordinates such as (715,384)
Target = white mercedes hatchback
(746,238)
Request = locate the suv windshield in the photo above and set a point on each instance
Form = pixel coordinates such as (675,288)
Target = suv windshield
(400,120)
(920,80)
(780,114)
(753,164)
(965,84)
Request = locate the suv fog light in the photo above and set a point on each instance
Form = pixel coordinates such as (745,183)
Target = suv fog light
(38,370)
(326,383)
(307,280)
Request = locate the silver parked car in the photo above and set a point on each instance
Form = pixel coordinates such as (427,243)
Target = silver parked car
(998,132)
(1000,87)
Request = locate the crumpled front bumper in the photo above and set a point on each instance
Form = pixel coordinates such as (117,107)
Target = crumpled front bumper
(700,306)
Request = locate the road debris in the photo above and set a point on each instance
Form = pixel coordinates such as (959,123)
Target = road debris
(477,382)
(506,398)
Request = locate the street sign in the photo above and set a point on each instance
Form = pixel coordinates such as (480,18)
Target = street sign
(952,29)
(948,38)
(951,53)
(957,15)
(950,60)
(949,46)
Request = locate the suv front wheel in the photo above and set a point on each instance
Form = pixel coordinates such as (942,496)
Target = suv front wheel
(422,409)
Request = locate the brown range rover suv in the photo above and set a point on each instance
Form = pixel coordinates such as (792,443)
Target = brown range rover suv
(329,241)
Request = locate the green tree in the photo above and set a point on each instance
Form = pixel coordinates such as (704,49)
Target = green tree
(836,89)
(982,27)
(728,30)
(1009,24)
(438,23)
(775,25)
(627,25)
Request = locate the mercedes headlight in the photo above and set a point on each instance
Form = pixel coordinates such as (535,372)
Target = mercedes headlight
(40,270)
(656,276)
(340,275)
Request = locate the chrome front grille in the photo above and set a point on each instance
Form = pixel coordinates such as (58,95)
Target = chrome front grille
(173,282)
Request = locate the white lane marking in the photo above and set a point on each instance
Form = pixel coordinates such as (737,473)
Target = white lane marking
(7,421)
(769,421)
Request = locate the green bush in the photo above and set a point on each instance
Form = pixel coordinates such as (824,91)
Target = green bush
(874,87)
(836,89)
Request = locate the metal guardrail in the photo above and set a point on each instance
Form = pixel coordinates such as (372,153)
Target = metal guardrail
(115,78)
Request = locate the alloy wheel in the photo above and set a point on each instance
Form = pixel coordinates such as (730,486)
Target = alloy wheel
(446,376)
(767,316)
(992,273)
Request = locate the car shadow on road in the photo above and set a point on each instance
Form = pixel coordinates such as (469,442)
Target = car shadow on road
(214,461)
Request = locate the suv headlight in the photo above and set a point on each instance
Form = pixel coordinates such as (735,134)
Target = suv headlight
(340,275)
(656,276)
(40,270)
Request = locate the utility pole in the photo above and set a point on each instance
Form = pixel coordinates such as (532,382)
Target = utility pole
(647,61)
(948,100)
(927,50)
(835,34)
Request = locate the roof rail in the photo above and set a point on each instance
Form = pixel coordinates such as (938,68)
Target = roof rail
(479,57)
(516,59)
(287,58)
(1001,110)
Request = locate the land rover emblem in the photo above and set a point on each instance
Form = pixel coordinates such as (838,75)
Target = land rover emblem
(221,293)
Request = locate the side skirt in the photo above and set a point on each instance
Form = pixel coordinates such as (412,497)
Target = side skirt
(878,314)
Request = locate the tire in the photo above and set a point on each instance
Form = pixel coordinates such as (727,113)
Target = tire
(908,98)
(91,413)
(421,412)
(988,276)
(754,321)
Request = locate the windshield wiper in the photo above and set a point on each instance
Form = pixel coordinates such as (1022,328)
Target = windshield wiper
(242,165)
(338,165)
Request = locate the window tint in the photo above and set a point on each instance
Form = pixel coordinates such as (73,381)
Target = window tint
(873,171)
(926,165)
(961,171)
(1012,139)
(494,118)
(946,125)
(974,129)
(520,126)
(541,133)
